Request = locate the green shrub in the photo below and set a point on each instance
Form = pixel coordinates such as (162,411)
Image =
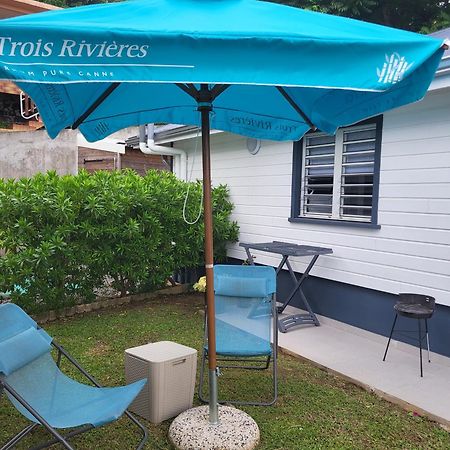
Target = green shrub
(63,236)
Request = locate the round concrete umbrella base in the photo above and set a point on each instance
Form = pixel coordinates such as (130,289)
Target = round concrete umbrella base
(236,430)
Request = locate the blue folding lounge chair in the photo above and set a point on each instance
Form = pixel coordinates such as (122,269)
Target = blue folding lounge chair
(41,392)
(246,319)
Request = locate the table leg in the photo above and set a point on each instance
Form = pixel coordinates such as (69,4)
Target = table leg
(298,283)
(282,263)
(291,271)
(308,307)
(287,322)
(249,257)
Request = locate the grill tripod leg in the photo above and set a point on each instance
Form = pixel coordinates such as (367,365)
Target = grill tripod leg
(428,339)
(420,347)
(390,337)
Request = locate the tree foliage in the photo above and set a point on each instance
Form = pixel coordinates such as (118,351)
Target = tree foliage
(423,16)
(419,15)
(63,236)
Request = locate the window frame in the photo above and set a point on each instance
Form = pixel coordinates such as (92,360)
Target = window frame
(297,173)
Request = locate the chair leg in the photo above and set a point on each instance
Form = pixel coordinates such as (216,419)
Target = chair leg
(428,339)
(38,417)
(201,378)
(275,373)
(274,386)
(18,437)
(53,441)
(275,350)
(420,346)
(390,337)
(143,429)
(236,402)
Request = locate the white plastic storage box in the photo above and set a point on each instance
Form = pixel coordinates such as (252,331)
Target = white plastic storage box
(170,369)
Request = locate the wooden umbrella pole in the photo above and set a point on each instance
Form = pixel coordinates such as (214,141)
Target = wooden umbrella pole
(205,108)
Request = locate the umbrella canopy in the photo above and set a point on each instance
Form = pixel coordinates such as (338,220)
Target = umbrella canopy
(289,69)
(266,70)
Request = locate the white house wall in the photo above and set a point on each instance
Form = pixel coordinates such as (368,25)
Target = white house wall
(411,251)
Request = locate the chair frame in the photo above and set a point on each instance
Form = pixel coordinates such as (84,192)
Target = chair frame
(57,437)
(246,362)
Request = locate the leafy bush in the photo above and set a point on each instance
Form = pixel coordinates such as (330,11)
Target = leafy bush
(63,236)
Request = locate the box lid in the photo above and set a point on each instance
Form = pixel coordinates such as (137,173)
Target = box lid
(161,351)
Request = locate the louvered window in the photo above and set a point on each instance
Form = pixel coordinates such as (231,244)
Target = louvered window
(318,177)
(337,180)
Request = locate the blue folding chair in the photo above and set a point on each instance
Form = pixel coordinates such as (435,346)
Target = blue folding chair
(246,322)
(39,390)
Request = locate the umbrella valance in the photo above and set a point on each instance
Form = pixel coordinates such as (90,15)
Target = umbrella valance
(289,70)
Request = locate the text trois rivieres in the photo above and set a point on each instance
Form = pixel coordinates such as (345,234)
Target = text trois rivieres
(71,48)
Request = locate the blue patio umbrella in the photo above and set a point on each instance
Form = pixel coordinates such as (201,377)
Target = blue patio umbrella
(265,70)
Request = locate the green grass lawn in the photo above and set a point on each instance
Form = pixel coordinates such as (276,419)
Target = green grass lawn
(315,410)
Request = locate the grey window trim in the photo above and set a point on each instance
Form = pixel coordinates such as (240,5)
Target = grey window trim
(297,168)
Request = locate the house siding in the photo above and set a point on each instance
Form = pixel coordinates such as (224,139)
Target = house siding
(368,309)
(411,250)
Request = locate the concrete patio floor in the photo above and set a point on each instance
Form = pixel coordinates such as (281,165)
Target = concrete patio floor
(357,355)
